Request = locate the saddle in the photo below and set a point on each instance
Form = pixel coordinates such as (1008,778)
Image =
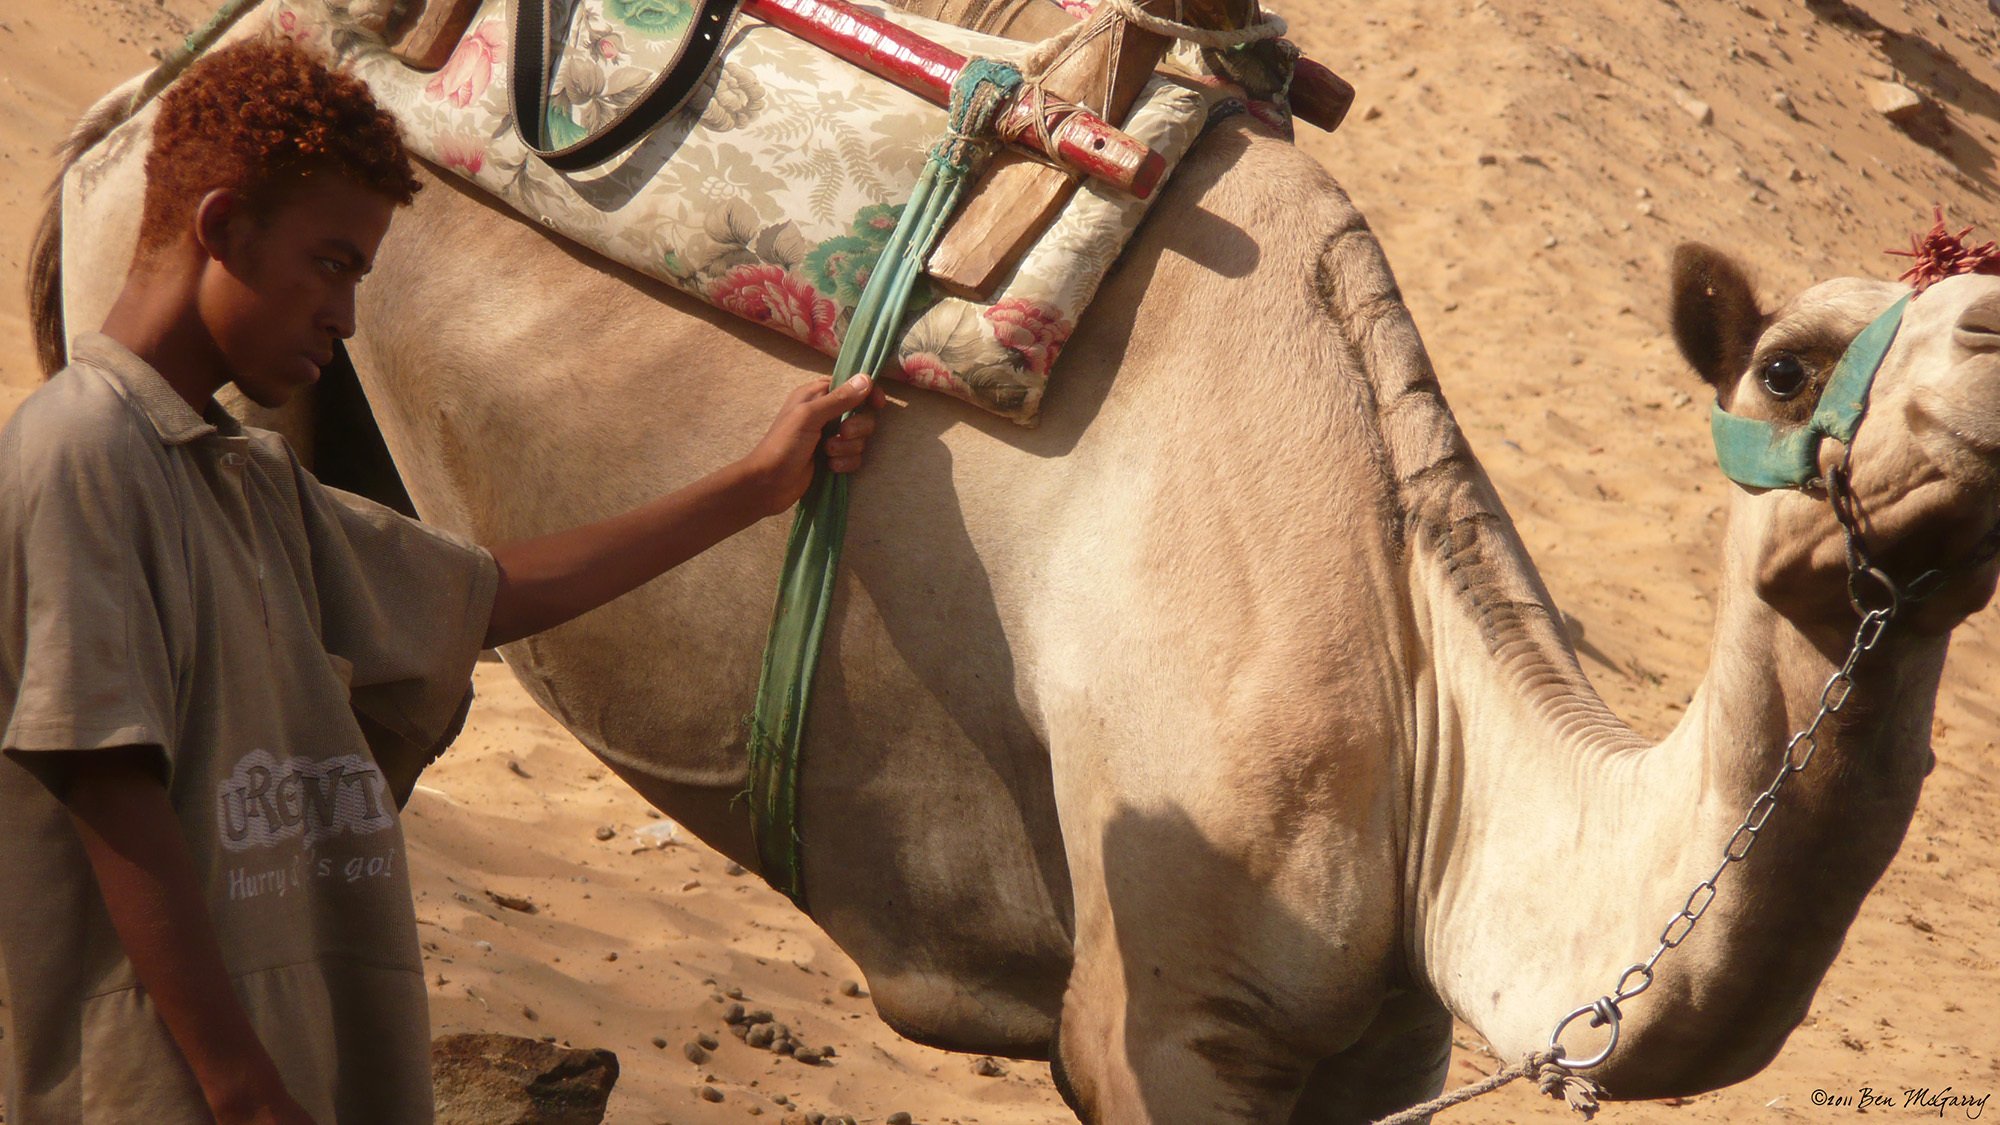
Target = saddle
(771,192)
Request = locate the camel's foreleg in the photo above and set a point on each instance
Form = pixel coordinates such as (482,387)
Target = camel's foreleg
(1399,1061)
(1201,990)
(1141,1043)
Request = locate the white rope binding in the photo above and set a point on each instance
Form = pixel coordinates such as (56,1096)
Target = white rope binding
(1270,27)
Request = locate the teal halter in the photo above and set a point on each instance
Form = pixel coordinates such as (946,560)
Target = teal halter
(1765,455)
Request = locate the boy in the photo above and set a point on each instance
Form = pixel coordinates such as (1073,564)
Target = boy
(218,676)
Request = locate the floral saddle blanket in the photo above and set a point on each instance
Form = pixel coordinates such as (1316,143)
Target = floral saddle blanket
(771,193)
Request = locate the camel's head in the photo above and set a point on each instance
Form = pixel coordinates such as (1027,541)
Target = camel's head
(1924,463)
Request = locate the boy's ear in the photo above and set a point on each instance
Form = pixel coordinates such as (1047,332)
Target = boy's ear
(220,221)
(1716,318)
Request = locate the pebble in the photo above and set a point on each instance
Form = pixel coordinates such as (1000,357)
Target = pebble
(662,835)
(761,1035)
(810,1056)
(899,1118)
(660,1041)
(695,1053)
(606,832)
(1894,100)
(1371,113)
(1488,158)
(783,1047)
(850,988)
(734,1014)
(1643,193)
(795,1119)
(735,868)
(761,1015)
(1782,102)
(1646,209)
(710,1094)
(708,1041)
(739,1030)
(483,946)
(988,1067)
(513,902)
(1701,111)
(529,1013)
(733,992)
(1549,243)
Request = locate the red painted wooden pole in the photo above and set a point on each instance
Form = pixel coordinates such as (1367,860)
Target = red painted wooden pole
(1079,139)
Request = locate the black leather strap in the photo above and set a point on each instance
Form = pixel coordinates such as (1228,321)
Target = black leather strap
(669,90)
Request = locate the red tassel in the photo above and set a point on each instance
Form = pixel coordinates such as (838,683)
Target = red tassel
(1941,254)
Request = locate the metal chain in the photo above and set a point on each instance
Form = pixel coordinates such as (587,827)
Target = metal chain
(1798,755)
(1799,750)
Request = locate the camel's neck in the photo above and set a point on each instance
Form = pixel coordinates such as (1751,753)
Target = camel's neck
(1554,844)
(1549,844)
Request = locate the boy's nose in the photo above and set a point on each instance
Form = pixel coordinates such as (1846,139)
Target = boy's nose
(338,316)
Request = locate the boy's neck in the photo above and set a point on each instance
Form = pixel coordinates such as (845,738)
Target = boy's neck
(157,318)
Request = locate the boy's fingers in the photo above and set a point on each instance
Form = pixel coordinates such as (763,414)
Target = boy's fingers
(843,398)
(809,390)
(859,426)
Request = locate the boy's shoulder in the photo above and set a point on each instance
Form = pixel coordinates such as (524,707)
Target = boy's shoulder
(82,415)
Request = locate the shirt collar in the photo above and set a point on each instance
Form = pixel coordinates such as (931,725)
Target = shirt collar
(171,416)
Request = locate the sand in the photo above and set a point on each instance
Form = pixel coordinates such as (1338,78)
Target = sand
(1529,167)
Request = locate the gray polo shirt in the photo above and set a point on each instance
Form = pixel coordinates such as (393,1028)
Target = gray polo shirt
(297,654)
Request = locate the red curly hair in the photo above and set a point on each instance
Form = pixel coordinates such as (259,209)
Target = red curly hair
(259,116)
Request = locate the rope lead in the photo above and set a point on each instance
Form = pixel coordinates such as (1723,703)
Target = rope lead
(1552,1078)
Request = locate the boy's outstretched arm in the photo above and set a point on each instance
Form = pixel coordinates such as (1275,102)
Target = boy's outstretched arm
(119,804)
(551,579)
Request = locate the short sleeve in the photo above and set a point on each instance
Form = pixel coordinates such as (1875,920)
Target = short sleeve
(84,655)
(406,605)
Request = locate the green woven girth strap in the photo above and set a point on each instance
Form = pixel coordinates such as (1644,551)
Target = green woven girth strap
(812,555)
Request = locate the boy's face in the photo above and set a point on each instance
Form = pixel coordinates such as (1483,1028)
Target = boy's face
(279,291)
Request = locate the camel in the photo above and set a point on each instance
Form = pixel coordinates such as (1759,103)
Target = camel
(1216,739)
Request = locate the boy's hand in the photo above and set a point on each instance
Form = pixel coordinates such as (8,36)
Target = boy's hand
(117,799)
(276,1109)
(782,463)
(550,579)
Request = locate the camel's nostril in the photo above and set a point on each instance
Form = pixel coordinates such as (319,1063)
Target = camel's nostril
(1978,327)
(1977,338)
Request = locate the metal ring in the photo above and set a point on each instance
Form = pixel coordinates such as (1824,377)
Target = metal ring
(1605,1012)
(1883,580)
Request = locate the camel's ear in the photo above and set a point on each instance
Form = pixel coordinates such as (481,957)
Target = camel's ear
(1716,318)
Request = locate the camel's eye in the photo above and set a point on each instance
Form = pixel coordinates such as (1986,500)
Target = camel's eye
(1784,376)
